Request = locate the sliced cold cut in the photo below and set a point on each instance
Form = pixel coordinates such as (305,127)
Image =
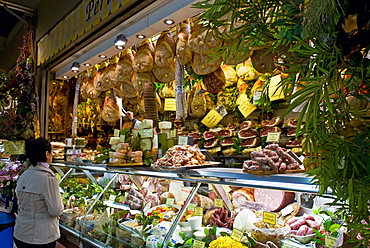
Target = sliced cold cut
(274,199)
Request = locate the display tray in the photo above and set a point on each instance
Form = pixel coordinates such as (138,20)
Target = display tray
(126,165)
(187,167)
(273,172)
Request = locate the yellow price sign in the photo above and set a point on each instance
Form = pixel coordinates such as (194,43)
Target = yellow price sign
(237,234)
(245,106)
(192,206)
(269,218)
(198,244)
(212,118)
(219,203)
(155,222)
(170,104)
(330,241)
(170,201)
(14,147)
(198,211)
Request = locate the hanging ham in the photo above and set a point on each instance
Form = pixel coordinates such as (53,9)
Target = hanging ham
(165,50)
(144,57)
(183,51)
(202,40)
(124,68)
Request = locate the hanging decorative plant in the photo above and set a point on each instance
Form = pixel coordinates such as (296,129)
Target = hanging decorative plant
(17,94)
(328,67)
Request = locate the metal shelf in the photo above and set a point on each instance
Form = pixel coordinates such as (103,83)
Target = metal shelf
(298,182)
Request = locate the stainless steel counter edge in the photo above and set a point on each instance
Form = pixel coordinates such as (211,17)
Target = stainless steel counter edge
(299,182)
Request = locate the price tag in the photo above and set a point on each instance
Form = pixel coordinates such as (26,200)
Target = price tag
(273,137)
(192,206)
(117,133)
(212,118)
(330,241)
(14,147)
(155,222)
(170,201)
(198,211)
(245,106)
(198,244)
(170,104)
(122,138)
(218,149)
(237,234)
(183,140)
(275,89)
(173,133)
(219,203)
(112,198)
(269,218)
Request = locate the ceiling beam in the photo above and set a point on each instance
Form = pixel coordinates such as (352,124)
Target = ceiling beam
(17,7)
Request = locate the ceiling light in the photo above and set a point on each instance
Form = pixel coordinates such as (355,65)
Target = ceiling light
(120,40)
(120,47)
(75,66)
(169,21)
(87,64)
(140,36)
(102,56)
(65,77)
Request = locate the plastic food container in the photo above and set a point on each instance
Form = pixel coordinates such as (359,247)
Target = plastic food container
(263,232)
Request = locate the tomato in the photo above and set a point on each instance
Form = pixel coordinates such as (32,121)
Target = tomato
(149,214)
(163,210)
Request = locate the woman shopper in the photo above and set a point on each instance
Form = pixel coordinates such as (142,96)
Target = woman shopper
(39,200)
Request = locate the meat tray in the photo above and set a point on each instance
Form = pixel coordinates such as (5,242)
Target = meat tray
(270,172)
(196,166)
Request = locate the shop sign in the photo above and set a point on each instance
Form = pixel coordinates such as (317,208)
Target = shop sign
(82,19)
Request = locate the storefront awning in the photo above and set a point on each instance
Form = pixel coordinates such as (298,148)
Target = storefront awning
(82,19)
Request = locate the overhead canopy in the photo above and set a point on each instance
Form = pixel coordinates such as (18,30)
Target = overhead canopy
(87,15)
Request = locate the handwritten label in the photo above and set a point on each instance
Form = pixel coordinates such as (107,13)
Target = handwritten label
(198,244)
(219,203)
(330,241)
(245,106)
(170,104)
(269,218)
(183,140)
(117,132)
(273,137)
(173,133)
(198,211)
(170,201)
(192,206)
(112,198)
(155,222)
(237,234)
(212,118)
(14,147)
(275,89)
(218,149)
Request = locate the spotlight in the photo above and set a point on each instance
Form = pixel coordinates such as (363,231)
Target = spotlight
(169,21)
(75,66)
(102,56)
(65,77)
(120,40)
(120,47)
(87,64)
(140,36)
